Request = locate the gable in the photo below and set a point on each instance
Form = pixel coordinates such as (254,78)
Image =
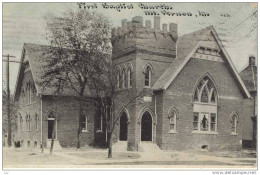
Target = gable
(191,44)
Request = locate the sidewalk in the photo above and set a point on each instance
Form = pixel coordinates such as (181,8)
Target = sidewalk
(97,158)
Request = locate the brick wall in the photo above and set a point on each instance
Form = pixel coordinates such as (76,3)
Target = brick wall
(179,94)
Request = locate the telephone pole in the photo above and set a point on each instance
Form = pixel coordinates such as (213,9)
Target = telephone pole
(9,142)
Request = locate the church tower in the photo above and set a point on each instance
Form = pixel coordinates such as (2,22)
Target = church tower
(141,53)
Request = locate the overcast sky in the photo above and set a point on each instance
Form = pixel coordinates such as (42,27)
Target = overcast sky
(23,23)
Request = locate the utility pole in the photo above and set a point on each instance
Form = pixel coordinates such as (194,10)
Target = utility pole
(9,142)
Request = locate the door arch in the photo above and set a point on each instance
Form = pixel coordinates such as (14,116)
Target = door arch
(123,127)
(146,127)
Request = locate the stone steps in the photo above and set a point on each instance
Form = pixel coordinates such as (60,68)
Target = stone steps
(149,147)
(120,146)
(56,145)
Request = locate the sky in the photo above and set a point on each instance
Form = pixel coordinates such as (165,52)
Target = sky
(235,23)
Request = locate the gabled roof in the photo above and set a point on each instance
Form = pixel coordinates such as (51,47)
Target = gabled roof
(37,56)
(186,46)
(249,76)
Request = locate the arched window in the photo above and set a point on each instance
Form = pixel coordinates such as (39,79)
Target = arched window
(129,77)
(84,123)
(172,117)
(234,121)
(147,76)
(21,122)
(205,106)
(28,122)
(118,79)
(123,79)
(205,91)
(37,121)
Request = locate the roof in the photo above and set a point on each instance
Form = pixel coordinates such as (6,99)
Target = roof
(186,46)
(37,56)
(249,76)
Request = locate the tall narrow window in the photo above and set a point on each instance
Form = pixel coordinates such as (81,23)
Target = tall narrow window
(21,122)
(213,122)
(234,120)
(129,77)
(118,79)
(29,122)
(172,118)
(195,120)
(123,79)
(84,123)
(99,123)
(147,77)
(36,122)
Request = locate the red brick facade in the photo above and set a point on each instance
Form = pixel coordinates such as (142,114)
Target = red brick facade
(138,49)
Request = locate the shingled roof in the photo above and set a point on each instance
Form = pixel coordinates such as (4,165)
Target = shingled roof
(37,56)
(249,76)
(186,46)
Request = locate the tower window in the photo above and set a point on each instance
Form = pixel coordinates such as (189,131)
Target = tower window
(147,77)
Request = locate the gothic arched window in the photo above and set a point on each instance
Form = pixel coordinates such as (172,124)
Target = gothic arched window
(172,117)
(147,76)
(234,121)
(129,77)
(205,106)
(205,91)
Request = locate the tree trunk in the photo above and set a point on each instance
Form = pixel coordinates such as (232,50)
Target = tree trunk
(110,145)
(80,116)
(53,135)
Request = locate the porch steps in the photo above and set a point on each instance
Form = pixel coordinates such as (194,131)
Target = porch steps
(120,146)
(56,145)
(149,147)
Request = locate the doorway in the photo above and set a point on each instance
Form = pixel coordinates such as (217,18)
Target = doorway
(146,127)
(51,123)
(123,127)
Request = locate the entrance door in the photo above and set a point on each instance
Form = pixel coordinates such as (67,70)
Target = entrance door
(146,127)
(50,128)
(123,127)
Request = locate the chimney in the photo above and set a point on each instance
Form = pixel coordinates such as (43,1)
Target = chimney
(251,61)
(124,23)
(173,28)
(148,24)
(164,27)
(157,22)
(137,21)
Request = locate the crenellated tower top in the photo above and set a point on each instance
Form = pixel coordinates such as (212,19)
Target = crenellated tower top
(135,35)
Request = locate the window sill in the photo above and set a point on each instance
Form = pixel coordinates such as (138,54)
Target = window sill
(99,131)
(85,131)
(205,132)
(172,132)
(234,134)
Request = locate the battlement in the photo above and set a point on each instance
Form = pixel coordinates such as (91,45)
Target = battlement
(135,36)
(137,24)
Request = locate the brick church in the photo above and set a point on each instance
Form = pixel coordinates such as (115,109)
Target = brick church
(175,92)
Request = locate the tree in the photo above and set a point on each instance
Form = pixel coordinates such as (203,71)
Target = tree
(13,113)
(106,85)
(79,42)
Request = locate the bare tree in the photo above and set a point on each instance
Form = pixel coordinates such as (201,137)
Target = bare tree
(106,85)
(79,42)
(13,114)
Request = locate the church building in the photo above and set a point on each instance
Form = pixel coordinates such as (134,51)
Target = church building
(173,92)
